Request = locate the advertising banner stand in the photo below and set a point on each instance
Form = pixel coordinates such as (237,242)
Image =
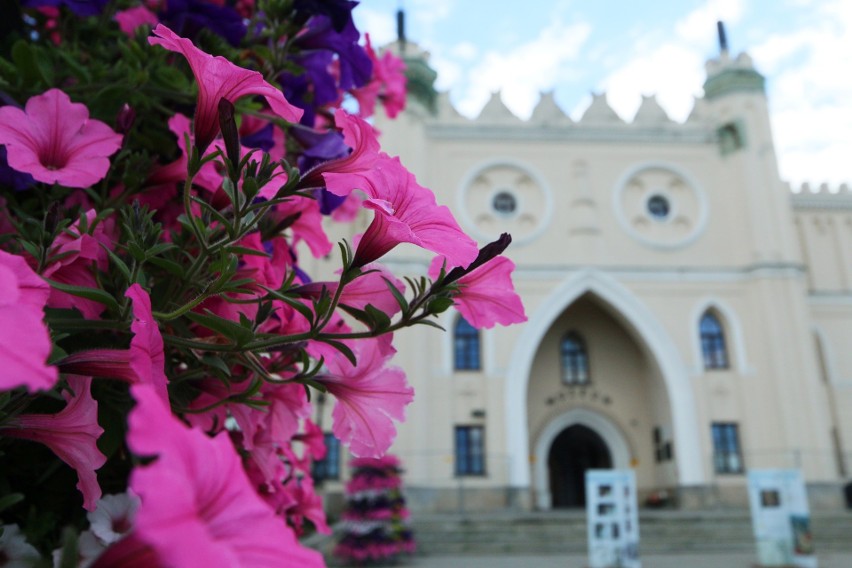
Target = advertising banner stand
(613,519)
(780,517)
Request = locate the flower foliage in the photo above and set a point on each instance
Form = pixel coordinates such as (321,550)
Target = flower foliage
(164,169)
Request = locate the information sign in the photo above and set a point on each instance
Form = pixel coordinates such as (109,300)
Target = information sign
(613,520)
(780,517)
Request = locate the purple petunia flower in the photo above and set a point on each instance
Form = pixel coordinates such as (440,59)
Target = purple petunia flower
(81,8)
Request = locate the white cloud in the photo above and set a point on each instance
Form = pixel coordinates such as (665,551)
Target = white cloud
(428,13)
(523,73)
(810,96)
(672,72)
(466,51)
(699,26)
(380,25)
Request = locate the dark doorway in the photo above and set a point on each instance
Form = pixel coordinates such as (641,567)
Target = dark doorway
(575,450)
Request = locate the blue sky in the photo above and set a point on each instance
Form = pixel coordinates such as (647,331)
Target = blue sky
(627,49)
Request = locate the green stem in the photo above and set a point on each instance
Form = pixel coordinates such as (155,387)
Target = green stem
(73,323)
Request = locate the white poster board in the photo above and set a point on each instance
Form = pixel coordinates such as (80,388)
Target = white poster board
(613,519)
(780,517)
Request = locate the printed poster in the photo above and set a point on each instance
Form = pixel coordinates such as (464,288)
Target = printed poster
(781,519)
(613,519)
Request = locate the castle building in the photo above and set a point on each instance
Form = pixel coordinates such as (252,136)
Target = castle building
(690,316)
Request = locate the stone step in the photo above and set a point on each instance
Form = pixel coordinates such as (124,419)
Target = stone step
(566,533)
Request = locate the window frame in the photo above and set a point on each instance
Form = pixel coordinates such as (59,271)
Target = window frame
(469,451)
(715,354)
(329,467)
(574,364)
(467,346)
(727,448)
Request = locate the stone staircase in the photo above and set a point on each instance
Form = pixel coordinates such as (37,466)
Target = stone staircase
(564,532)
(662,532)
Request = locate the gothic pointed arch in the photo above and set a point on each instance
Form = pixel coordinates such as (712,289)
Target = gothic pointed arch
(650,333)
(714,347)
(715,317)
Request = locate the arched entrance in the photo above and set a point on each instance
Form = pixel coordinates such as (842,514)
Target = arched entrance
(577,420)
(663,357)
(576,449)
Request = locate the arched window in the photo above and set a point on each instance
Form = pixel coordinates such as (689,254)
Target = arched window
(466,346)
(575,359)
(713,342)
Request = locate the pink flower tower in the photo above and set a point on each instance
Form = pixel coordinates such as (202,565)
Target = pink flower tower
(375,522)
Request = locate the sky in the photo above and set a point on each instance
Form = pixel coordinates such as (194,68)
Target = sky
(627,49)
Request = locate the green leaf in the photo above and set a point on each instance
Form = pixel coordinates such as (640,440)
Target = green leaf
(94,294)
(431,323)
(118,263)
(381,319)
(136,251)
(25,61)
(440,304)
(160,249)
(245,250)
(233,331)
(343,349)
(292,302)
(217,363)
(168,265)
(70,556)
(398,296)
(11,499)
(359,315)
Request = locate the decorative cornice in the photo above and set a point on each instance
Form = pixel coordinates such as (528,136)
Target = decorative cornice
(578,132)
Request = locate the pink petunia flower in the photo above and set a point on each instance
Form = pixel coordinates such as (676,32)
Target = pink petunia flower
(198,508)
(144,362)
(388,84)
(219,79)
(314,439)
(487,295)
(406,212)
(24,339)
(369,288)
(71,434)
(147,357)
(55,141)
(343,175)
(369,397)
(130,19)
(79,254)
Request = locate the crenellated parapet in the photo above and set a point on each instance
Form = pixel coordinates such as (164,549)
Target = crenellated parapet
(548,121)
(821,196)
(726,75)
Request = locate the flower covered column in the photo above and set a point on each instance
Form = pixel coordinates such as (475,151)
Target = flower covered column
(376,519)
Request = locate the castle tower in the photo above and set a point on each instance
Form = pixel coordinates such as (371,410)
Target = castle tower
(737,105)
(738,109)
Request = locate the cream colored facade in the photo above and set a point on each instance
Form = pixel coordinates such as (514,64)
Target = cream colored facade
(772,265)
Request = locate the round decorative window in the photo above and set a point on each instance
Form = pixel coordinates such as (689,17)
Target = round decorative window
(501,197)
(659,207)
(504,202)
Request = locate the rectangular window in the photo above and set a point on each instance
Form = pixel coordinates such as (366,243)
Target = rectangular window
(328,468)
(727,454)
(470,450)
(466,346)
